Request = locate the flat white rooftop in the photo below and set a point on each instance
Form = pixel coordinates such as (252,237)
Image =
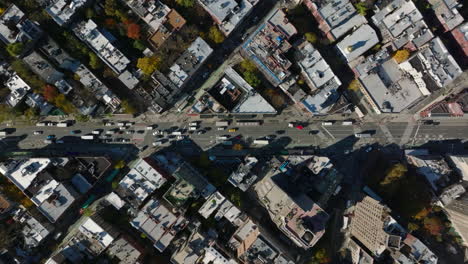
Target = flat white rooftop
(358,42)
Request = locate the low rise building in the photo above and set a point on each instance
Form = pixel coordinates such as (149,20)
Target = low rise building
(321,102)
(461,37)
(19,89)
(43,68)
(62,11)
(244,176)
(244,237)
(189,62)
(439,65)
(401,23)
(228,14)
(124,251)
(357,42)
(236,96)
(447,13)
(34,232)
(267,45)
(142,180)
(358,255)
(460,165)
(158,223)
(15,27)
(433,167)
(335,18)
(193,250)
(211,204)
(5,206)
(35,100)
(101,42)
(390,87)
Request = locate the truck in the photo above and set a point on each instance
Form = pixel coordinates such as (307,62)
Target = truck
(261,141)
(3,133)
(177,133)
(248,123)
(41,124)
(222,137)
(327,123)
(347,123)
(193,128)
(121,124)
(193,124)
(363,135)
(222,123)
(87,137)
(63,124)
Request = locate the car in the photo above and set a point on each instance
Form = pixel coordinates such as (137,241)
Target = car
(126,140)
(48,141)
(119,140)
(122,127)
(291,124)
(157,143)
(96,132)
(110,132)
(50,124)
(313,132)
(109,124)
(369,149)
(157,132)
(128,132)
(59,141)
(232,130)
(38,132)
(108,140)
(221,128)
(74,132)
(50,136)
(120,132)
(280,132)
(140,131)
(150,127)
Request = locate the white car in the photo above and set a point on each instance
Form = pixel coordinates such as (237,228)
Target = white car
(50,124)
(291,125)
(221,128)
(38,132)
(109,124)
(180,137)
(157,143)
(96,132)
(149,128)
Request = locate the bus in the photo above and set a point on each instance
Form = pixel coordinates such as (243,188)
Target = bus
(248,123)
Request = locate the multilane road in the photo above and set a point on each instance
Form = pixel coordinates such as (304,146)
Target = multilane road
(22,137)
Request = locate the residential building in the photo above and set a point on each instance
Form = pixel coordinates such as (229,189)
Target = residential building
(358,255)
(173,23)
(357,42)
(321,102)
(461,37)
(367,225)
(267,44)
(142,180)
(459,164)
(447,13)
(193,250)
(34,232)
(189,62)
(315,70)
(35,100)
(62,11)
(458,214)
(158,223)
(299,218)
(228,14)
(401,24)
(236,96)
(388,86)
(244,177)
(15,27)
(215,256)
(335,17)
(125,252)
(19,89)
(5,206)
(439,65)
(213,202)
(101,42)
(244,237)
(43,68)
(455,106)
(263,251)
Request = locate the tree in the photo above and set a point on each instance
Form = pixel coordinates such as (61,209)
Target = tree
(94,61)
(215,35)
(395,173)
(185,3)
(31,113)
(433,225)
(321,256)
(120,164)
(361,8)
(88,212)
(62,103)
(413,227)
(401,55)
(15,49)
(252,79)
(422,214)
(277,100)
(354,85)
(50,93)
(89,13)
(133,31)
(110,7)
(128,108)
(139,45)
(237,147)
(311,37)
(149,64)
(248,65)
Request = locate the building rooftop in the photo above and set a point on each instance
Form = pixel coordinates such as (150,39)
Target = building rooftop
(358,255)
(244,237)
(268,43)
(15,27)
(238,97)
(228,13)
(460,165)
(321,102)
(401,22)
(189,62)
(101,43)
(243,176)
(18,89)
(190,175)
(439,63)
(315,69)
(358,42)
(340,16)
(461,36)
(158,223)
(60,199)
(213,256)
(153,12)
(124,251)
(447,13)
(433,167)
(96,234)
(23,172)
(34,232)
(62,11)
(367,225)
(192,251)
(43,68)
(35,100)
(211,204)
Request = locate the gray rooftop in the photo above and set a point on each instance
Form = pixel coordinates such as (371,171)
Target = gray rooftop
(43,68)
(358,42)
(341,16)
(62,11)
(60,200)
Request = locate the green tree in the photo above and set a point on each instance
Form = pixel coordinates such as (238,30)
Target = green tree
(149,64)
(311,37)
(361,8)
(215,35)
(413,227)
(94,61)
(89,13)
(88,212)
(354,85)
(186,3)
(110,7)
(15,49)
(120,164)
(82,118)
(252,79)
(61,102)
(31,113)
(128,107)
(139,45)
(395,173)
(248,65)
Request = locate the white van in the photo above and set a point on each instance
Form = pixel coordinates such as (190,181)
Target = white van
(327,123)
